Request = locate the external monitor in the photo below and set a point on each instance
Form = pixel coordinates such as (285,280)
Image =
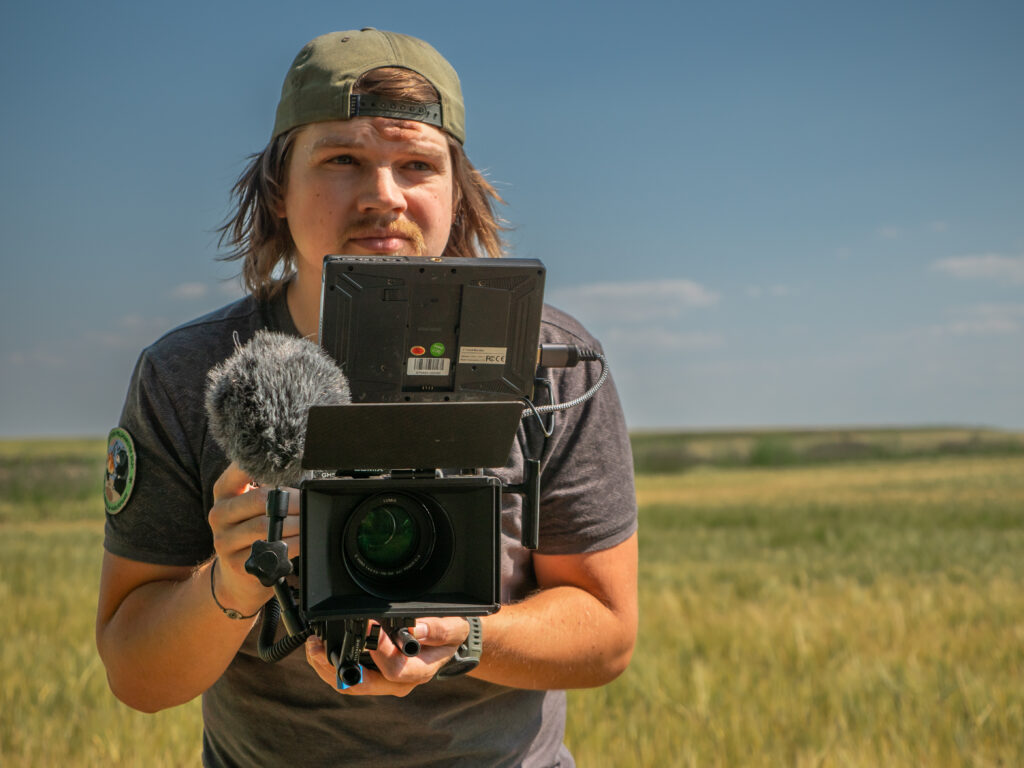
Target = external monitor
(416,329)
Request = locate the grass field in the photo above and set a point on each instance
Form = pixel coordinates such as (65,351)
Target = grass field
(848,614)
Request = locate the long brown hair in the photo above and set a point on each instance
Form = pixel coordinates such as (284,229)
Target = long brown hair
(261,240)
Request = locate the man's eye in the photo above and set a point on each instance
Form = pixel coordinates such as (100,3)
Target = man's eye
(420,165)
(342,160)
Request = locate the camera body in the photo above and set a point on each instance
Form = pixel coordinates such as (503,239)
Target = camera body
(381,547)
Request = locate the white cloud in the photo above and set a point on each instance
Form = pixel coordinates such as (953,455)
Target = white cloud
(189,291)
(662,339)
(133,321)
(978,320)
(895,232)
(37,359)
(130,331)
(777,291)
(684,292)
(988,319)
(987,266)
(231,289)
(636,302)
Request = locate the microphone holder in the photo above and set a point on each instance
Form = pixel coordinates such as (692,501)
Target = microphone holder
(268,561)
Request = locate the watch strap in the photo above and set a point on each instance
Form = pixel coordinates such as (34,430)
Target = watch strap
(474,645)
(467,656)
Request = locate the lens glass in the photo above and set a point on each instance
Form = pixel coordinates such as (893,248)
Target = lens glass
(388,537)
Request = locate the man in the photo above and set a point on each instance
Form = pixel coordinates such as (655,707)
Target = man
(366,158)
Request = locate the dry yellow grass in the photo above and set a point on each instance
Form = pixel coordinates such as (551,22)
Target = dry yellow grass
(846,615)
(854,615)
(920,482)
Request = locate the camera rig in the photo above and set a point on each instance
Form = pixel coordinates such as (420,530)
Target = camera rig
(400,519)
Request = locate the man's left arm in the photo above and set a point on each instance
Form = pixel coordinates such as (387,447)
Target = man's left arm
(577,631)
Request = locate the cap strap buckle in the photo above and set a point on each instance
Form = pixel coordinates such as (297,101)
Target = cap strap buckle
(368,105)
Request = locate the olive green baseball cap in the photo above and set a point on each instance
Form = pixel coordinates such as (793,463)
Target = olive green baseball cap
(319,83)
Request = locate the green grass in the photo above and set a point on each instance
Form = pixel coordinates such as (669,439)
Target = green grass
(851,614)
(50,479)
(661,452)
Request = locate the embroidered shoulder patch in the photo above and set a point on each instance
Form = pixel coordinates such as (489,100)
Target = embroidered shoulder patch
(119,478)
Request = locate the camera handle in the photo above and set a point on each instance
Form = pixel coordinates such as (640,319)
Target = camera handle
(268,561)
(529,488)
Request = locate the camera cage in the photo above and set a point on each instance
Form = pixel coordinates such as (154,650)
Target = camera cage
(449,391)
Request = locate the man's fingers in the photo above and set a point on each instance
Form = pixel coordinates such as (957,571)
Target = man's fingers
(316,655)
(232,482)
(237,509)
(238,538)
(397,676)
(253,503)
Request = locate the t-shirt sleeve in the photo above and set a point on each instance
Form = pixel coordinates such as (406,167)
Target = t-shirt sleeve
(588,499)
(163,520)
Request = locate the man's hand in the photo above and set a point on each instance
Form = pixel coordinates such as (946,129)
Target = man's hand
(238,518)
(150,618)
(398,674)
(588,601)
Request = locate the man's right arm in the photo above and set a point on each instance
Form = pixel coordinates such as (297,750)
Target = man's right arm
(159,632)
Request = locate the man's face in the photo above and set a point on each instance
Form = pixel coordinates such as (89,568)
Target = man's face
(369,185)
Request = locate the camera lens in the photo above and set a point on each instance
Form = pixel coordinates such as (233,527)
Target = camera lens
(396,545)
(388,537)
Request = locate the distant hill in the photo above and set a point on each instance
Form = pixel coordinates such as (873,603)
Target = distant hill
(678,451)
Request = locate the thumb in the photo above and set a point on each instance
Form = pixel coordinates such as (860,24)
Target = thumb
(452,630)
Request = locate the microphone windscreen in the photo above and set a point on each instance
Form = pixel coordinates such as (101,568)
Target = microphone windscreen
(258,399)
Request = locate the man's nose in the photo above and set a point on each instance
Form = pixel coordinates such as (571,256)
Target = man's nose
(381,192)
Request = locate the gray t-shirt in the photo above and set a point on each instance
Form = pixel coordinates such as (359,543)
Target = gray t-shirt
(272,714)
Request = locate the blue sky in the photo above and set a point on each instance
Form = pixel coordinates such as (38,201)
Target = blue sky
(772,213)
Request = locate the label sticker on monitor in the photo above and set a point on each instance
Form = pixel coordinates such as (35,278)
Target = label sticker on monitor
(483,355)
(429,366)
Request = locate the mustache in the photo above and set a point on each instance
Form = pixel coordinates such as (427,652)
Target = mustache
(382,226)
